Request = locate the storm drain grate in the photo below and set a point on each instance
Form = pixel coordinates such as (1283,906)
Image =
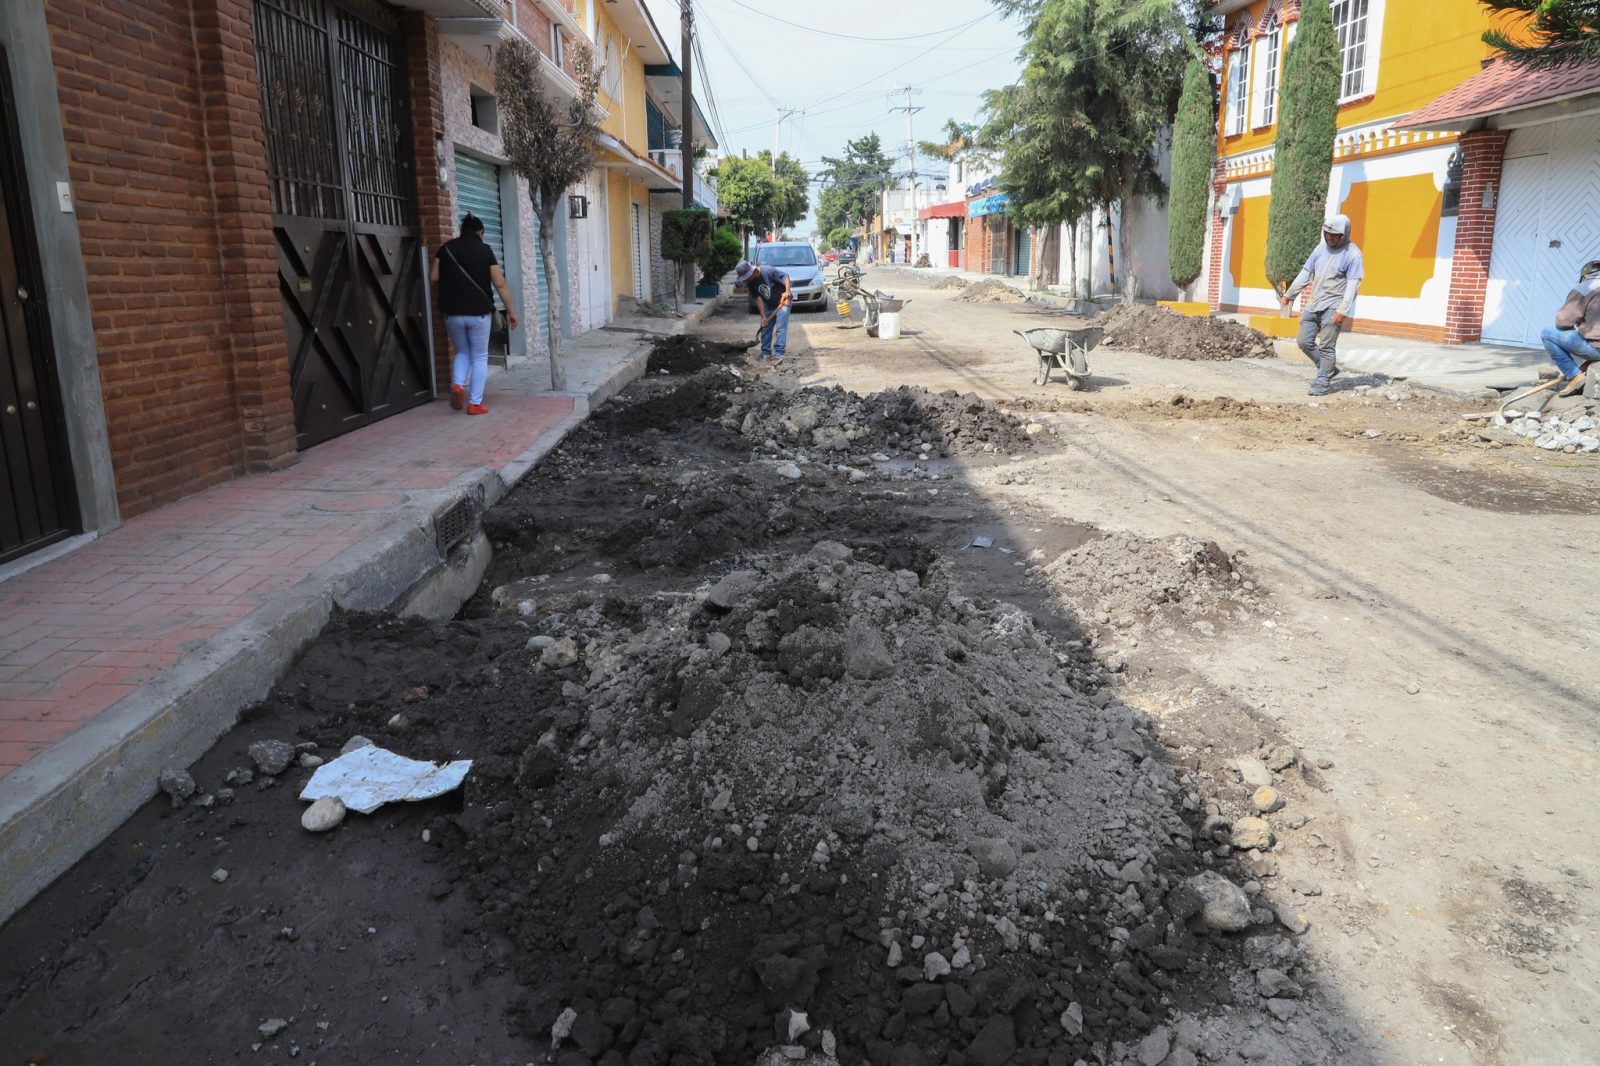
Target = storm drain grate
(453,525)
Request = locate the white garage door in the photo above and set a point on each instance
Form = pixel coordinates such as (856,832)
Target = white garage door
(1547,226)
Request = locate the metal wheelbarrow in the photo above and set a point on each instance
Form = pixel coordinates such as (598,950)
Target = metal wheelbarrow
(1066,350)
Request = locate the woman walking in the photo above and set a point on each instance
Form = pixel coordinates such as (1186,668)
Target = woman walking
(461,274)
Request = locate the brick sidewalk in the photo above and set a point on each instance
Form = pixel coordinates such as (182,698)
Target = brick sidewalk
(80,632)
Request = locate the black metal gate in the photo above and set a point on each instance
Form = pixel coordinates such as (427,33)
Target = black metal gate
(37,502)
(350,259)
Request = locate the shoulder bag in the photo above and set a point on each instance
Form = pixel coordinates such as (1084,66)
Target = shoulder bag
(497,323)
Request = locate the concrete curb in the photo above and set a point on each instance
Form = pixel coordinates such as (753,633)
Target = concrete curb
(63,802)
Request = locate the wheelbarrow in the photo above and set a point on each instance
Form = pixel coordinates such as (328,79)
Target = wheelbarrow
(1066,350)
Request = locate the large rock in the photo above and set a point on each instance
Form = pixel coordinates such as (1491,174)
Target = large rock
(728,593)
(272,757)
(866,655)
(177,784)
(997,859)
(323,815)
(995,1043)
(1223,904)
(1253,772)
(1252,833)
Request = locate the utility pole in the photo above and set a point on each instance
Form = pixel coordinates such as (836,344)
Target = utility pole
(911,144)
(686,147)
(783,113)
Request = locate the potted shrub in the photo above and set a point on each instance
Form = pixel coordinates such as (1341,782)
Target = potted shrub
(721,256)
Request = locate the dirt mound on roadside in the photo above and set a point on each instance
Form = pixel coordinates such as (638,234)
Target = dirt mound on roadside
(701,397)
(953,282)
(992,292)
(1168,335)
(826,787)
(687,355)
(1129,580)
(894,422)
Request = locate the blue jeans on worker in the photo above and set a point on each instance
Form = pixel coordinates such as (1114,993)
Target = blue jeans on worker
(1565,344)
(470,336)
(775,334)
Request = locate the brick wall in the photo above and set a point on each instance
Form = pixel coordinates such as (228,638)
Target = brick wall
(1481,156)
(1219,225)
(428,144)
(195,383)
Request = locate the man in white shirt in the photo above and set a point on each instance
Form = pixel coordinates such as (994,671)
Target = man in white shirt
(1334,272)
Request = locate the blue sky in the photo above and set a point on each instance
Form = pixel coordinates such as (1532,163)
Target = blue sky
(845,87)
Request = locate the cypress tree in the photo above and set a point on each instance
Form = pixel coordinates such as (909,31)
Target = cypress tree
(1194,152)
(1303,151)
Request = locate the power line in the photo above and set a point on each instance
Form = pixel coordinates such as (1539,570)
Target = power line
(854,37)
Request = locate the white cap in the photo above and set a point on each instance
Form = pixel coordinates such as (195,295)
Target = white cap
(1339,224)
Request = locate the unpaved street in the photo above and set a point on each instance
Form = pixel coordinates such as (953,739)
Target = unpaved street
(817,719)
(1437,612)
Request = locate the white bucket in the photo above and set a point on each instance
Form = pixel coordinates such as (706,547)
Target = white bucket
(889,325)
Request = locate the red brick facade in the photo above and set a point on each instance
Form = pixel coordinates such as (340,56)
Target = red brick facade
(1481,156)
(426,87)
(1218,225)
(181,316)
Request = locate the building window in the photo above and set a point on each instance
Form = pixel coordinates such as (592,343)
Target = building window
(1269,76)
(1238,89)
(1350,22)
(558,50)
(484,112)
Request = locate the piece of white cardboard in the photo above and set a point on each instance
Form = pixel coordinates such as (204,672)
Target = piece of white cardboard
(367,778)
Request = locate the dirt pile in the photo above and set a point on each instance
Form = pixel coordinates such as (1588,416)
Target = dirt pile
(894,422)
(953,282)
(686,355)
(1169,335)
(991,291)
(702,397)
(822,803)
(1128,580)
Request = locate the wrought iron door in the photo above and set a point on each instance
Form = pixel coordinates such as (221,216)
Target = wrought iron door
(37,502)
(350,258)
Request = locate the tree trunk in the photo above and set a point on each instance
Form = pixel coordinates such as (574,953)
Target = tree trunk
(1072,253)
(552,312)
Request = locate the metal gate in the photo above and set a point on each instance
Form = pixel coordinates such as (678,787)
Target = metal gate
(1022,257)
(350,260)
(640,292)
(997,243)
(478,191)
(37,502)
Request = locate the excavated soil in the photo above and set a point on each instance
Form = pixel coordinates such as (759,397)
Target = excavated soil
(953,282)
(765,757)
(991,292)
(1169,335)
(687,354)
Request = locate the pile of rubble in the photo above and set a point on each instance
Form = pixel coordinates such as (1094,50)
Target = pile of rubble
(908,422)
(954,281)
(686,354)
(1168,335)
(830,806)
(1129,580)
(991,291)
(1570,432)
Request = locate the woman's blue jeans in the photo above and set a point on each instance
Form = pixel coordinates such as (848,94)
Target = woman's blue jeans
(470,336)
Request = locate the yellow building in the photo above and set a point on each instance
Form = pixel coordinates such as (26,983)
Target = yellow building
(1400,187)
(616,240)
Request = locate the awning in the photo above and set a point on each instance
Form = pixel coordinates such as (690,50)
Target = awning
(612,154)
(1503,95)
(955,209)
(986,205)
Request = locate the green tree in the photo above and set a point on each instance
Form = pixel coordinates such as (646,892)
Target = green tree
(551,147)
(1564,32)
(1194,153)
(794,191)
(721,255)
(955,135)
(854,181)
(747,190)
(1303,152)
(1100,83)
(838,237)
(685,236)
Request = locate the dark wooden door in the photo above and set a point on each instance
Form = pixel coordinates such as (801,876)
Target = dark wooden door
(350,258)
(37,502)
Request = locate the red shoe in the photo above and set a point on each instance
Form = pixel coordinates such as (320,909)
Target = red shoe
(458,397)
(477,409)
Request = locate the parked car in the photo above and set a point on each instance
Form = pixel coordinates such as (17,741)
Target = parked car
(799,260)
(846,256)
(829,256)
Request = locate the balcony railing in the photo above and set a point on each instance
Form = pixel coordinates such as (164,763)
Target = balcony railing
(671,160)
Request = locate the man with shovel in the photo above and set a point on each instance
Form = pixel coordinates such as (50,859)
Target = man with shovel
(771,287)
(1334,272)
(1571,342)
